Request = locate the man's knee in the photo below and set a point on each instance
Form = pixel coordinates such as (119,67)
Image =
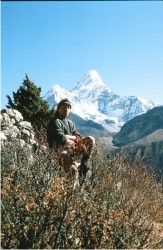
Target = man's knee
(89,140)
(65,159)
(92,140)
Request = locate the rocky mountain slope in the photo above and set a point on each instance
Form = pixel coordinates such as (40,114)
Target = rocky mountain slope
(93,101)
(140,126)
(142,139)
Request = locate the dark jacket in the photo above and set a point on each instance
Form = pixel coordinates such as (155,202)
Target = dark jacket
(56,131)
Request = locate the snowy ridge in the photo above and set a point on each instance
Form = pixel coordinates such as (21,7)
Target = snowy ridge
(92,100)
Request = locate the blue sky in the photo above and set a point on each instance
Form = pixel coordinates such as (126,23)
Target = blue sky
(58,42)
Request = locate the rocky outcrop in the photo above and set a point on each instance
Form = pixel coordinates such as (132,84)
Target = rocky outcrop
(13,127)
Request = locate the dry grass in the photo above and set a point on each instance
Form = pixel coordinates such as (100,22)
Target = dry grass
(120,205)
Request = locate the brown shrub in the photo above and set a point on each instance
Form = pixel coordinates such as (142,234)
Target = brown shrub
(117,207)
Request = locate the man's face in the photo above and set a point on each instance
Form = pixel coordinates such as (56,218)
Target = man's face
(64,110)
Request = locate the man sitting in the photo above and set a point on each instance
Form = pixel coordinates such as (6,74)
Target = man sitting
(63,137)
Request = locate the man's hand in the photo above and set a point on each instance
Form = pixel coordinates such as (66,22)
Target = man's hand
(70,139)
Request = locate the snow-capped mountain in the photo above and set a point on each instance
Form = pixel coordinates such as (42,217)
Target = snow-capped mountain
(92,100)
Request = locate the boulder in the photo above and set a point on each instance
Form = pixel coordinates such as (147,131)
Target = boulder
(13,126)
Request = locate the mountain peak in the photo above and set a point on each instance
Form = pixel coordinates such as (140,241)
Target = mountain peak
(92,100)
(91,80)
(94,76)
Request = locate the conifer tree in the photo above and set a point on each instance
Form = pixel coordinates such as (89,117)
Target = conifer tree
(30,104)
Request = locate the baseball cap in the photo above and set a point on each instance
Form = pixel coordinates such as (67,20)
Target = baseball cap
(64,102)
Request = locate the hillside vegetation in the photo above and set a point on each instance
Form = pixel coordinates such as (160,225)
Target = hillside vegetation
(119,206)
